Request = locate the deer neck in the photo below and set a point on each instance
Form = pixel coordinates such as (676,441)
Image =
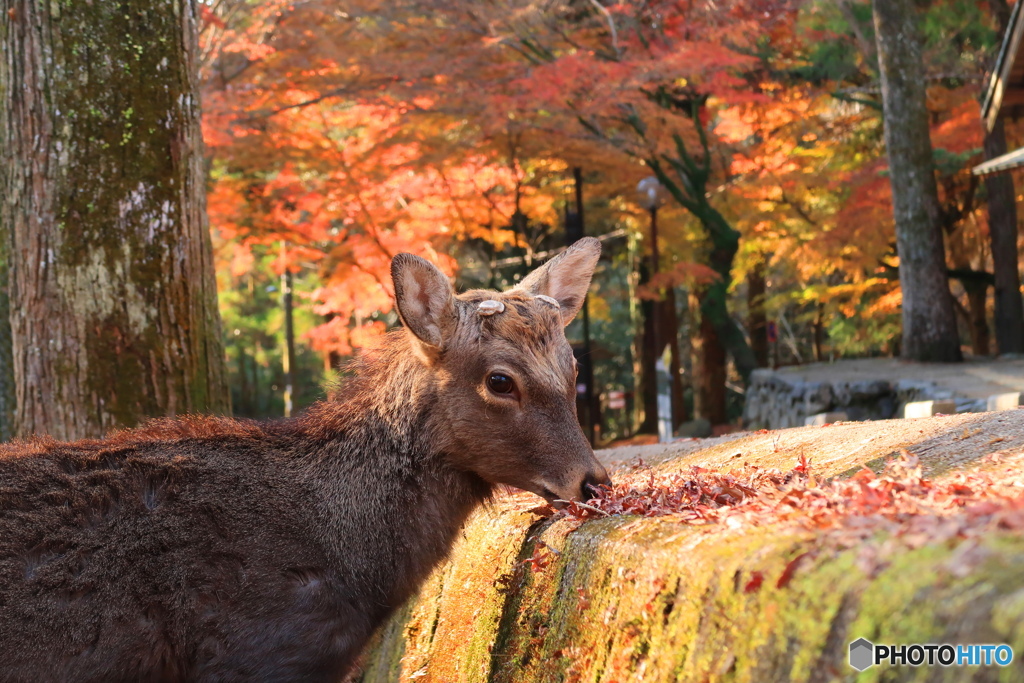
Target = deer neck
(391,506)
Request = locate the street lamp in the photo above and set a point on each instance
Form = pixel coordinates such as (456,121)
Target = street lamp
(651,192)
(650,195)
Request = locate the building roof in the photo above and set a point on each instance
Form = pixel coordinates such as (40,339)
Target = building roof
(1005,94)
(1007,161)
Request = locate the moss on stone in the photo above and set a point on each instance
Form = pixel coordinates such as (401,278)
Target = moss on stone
(655,600)
(629,599)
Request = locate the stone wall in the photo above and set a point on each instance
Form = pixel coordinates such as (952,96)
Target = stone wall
(775,401)
(652,600)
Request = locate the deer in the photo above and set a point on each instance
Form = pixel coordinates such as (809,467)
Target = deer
(216,549)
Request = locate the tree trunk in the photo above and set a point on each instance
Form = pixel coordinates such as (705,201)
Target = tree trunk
(1002,226)
(713,373)
(977,296)
(757,321)
(648,359)
(725,240)
(818,330)
(929,322)
(714,301)
(113,300)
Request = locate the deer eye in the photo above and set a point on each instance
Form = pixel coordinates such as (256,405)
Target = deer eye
(500,384)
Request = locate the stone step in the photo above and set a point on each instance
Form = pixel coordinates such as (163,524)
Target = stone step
(1008,401)
(825,419)
(928,408)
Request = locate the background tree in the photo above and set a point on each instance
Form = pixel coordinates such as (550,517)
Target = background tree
(929,323)
(113,302)
(1002,220)
(351,129)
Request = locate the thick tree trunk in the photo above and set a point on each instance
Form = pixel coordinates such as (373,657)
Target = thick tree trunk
(113,300)
(929,322)
(1002,226)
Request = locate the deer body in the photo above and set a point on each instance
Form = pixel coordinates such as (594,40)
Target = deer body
(210,549)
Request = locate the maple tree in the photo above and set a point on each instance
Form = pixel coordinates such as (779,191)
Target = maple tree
(349,131)
(347,182)
(637,79)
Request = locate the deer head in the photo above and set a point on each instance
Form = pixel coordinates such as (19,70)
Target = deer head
(505,372)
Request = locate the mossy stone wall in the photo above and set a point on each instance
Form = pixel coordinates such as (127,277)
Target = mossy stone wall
(631,599)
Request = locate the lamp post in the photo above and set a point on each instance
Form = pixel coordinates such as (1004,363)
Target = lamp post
(648,197)
(662,327)
(574,230)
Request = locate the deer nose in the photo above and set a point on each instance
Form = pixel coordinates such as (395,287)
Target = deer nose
(593,482)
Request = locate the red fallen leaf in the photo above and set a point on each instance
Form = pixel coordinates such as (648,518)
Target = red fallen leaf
(863,474)
(790,570)
(898,500)
(755,581)
(583,599)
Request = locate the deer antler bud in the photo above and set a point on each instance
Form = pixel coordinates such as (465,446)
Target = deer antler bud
(490,307)
(547,299)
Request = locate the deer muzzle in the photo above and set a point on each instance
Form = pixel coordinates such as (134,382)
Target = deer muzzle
(582,489)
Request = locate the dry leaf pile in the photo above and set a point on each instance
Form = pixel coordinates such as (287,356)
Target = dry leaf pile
(899,498)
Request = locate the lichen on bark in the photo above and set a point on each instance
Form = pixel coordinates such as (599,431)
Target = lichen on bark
(114,315)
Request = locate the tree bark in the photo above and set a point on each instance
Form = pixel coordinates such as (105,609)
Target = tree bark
(929,321)
(1002,227)
(113,299)
(288,357)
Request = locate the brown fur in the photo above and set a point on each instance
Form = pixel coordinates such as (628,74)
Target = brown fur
(211,549)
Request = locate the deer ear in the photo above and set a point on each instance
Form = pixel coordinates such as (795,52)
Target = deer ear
(425,299)
(566,278)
